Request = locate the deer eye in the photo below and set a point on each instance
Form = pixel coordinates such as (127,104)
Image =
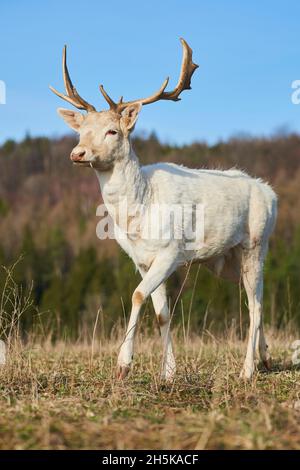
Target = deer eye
(111,132)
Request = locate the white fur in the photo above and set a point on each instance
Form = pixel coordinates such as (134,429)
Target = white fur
(239,216)
(240,213)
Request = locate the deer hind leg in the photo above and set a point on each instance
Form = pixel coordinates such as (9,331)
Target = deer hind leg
(252,275)
(232,272)
(161,307)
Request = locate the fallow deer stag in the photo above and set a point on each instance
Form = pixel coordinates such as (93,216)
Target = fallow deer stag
(238,213)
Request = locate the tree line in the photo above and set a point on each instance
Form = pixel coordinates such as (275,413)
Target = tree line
(48,217)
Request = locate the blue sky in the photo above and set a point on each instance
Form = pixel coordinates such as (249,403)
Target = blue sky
(248,52)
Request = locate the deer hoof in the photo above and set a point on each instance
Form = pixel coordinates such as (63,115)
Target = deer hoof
(267,363)
(246,373)
(122,372)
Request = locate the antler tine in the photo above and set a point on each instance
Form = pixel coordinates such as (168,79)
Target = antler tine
(187,69)
(72,96)
(184,83)
(112,104)
(66,76)
(118,107)
(158,95)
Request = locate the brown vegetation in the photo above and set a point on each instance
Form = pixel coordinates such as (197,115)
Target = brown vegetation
(56,393)
(66,397)
(47,214)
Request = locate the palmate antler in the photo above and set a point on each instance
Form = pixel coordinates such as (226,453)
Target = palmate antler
(184,83)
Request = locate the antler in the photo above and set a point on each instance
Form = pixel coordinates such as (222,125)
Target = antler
(72,96)
(184,83)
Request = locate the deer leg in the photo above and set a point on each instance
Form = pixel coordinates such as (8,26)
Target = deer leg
(252,272)
(161,268)
(161,307)
(262,347)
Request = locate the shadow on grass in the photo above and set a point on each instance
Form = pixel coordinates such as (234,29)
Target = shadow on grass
(279,366)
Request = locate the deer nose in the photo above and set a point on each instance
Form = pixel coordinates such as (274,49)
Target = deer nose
(77,156)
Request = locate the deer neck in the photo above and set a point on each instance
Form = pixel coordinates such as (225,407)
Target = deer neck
(125,185)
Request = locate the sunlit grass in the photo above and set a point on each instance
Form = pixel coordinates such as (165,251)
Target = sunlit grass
(66,397)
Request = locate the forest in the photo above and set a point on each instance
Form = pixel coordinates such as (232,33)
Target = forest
(48,238)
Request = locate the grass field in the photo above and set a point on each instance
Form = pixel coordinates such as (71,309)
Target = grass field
(66,397)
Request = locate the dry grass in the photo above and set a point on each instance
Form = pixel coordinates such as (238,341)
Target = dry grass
(60,397)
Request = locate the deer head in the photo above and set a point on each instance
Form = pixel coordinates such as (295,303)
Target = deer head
(104,135)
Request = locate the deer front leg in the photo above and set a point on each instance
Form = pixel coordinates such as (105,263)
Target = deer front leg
(161,307)
(262,348)
(161,268)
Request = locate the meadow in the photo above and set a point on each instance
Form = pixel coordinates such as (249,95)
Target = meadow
(66,396)
(58,389)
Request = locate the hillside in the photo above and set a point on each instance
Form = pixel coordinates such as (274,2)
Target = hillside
(48,214)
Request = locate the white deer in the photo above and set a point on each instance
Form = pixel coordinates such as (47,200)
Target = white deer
(239,213)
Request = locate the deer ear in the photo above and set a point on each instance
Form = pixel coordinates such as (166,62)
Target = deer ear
(130,115)
(72,118)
